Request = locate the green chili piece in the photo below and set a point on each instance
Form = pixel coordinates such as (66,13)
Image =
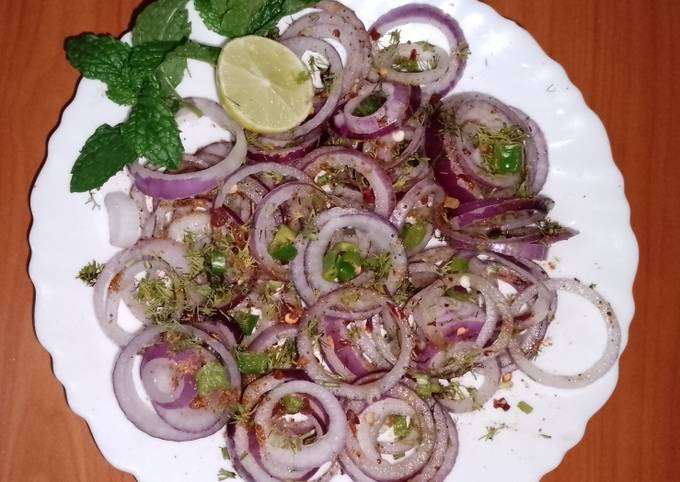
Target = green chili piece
(284,253)
(508,157)
(251,363)
(218,263)
(413,234)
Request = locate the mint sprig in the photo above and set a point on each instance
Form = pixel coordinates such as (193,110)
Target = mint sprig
(236,18)
(143,76)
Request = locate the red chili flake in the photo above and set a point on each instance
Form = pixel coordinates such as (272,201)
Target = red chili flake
(219,217)
(115,283)
(501,403)
(375,35)
(336,33)
(302,362)
(414,55)
(352,421)
(260,434)
(369,196)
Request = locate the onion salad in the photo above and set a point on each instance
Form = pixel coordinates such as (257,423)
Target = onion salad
(320,294)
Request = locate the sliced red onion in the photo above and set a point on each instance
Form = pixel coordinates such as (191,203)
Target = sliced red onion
(264,228)
(362,441)
(336,157)
(106,297)
(534,303)
(445,450)
(431,303)
(231,185)
(220,331)
(325,448)
(178,186)
(514,227)
(288,154)
(300,46)
(459,164)
(450,67)
(158,380)
(605,362)
(348,300)
(124,219)
(386,119)
(341,24)
(160,422)
(383,236)
(488,369)
(272,336)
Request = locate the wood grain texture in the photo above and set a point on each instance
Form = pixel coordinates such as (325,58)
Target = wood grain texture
(625,57)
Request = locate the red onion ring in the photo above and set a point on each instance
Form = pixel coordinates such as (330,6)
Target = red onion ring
(599,368)
(106,299)
(337,157)
(386,119)
(337,300)
(441,80)
(197,424)
(178,186)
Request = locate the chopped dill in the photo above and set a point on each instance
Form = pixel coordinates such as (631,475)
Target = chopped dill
(492,431)
(549,227)
(463,52)
(380,264)
(413,64)
(89,273)
(159,299)
(225,474)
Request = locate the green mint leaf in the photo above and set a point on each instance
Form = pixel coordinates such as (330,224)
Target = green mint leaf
(145,59)
(172,69)
(165,21)
(102,57)
(103,155)
(151,129)
(162,20)
(236,18)
(288,7)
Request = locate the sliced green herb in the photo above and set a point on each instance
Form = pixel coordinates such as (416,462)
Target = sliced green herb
(525,407)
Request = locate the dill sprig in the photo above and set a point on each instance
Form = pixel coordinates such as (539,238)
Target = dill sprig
(89,273)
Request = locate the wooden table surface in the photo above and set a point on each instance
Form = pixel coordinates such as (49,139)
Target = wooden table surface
(625,57)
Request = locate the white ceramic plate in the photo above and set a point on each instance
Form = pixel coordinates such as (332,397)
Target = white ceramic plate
(584,181)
